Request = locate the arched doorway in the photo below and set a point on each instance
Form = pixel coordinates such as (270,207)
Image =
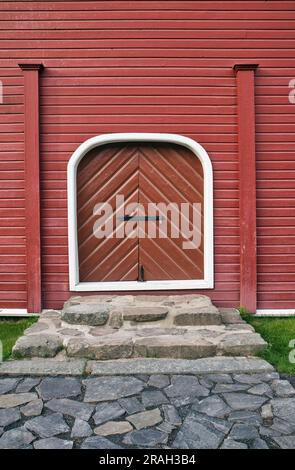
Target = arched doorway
(140,209)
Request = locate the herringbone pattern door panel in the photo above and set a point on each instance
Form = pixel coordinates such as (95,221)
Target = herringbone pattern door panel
(102,174)
(141,173)
(170,174)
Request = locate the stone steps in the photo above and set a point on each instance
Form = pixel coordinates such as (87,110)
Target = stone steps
(96,310)
(121,327)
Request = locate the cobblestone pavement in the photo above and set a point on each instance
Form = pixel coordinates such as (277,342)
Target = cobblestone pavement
(212,411)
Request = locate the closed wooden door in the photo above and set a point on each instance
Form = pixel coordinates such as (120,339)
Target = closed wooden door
(142,175)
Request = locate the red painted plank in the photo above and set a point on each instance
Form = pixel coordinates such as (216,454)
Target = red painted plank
(32,186)
(144,5)
(247,161)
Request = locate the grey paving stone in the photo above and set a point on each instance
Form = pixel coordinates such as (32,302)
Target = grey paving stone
(43,367)
(81,429)
(185,385)
(107,411)
(290,378)
(131,405)
(232,444)
(259,444)
(250,379)
(268,432)
(145,419)
(146,438)
(209,365)
(285,442)
(215,424)
(283,427)
(11,400)
(182,401)
(99,442)
(245,416)
(143,377)
(47,426)
(159,381)
(53,443)
(18,438)
(261,389)
(73,408)
(1,431)
(9,416)
(165,427)
(27,384)
(40,345)
(267,376)
(171,415)
(111,388)
(205,382)
(243,432)
(34,408)
(220,378)
(59,387)
(244,401)
(153,398)
(234,387)
(6,385)
(283,388)
(212,406)
(196,435)
(284,408)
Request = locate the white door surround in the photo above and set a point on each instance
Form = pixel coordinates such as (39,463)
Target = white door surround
(82,150)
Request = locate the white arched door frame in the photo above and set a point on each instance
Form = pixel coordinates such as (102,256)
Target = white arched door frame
(82,150)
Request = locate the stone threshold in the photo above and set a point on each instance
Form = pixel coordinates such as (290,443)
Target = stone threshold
(81,367)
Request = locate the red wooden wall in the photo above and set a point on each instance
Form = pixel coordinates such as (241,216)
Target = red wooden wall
(156,66)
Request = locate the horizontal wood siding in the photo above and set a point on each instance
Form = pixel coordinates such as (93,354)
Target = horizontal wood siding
(157,66)
(12,208)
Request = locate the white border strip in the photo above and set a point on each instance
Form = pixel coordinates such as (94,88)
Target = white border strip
(200,152)
(272,312)
(16,312)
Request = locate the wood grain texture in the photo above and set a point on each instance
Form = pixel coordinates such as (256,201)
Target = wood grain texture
(142,174)
(247,177)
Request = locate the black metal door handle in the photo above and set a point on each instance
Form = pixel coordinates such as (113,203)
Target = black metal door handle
(141,217)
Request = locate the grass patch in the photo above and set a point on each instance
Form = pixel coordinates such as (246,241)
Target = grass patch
(278,332)
(10,330)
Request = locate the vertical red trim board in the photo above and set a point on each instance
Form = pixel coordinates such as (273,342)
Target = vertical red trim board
(32,185)
(247,177)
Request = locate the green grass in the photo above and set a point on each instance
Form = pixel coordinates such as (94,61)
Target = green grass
(10,330)
(278,332)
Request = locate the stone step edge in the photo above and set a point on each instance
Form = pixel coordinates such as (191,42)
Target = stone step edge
(81,367)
